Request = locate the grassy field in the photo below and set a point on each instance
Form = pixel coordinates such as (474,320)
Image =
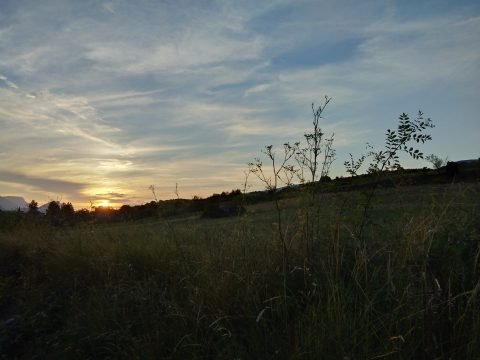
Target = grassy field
(407,286)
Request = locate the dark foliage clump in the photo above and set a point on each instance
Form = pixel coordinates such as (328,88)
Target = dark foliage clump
(219,210)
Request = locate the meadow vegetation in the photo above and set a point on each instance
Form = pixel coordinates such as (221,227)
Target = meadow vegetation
(202,288)
(369,267)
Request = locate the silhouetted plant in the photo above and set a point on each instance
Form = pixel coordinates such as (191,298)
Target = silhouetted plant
(315,156)
(436,161)
(309,156)
(399,140)
(282,172)
(396,141)
(352,166)
(176,191)
(152,189)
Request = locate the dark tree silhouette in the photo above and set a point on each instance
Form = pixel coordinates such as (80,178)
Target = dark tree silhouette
(33,207)
(67,211)
(53,210)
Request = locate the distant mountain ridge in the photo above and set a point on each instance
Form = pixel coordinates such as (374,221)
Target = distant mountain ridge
(12,203)
(43,209)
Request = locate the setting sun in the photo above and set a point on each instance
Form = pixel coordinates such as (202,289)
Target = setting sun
(240,179)
(104,203)
(187,107)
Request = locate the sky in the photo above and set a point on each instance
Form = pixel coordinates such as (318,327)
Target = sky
(101,99)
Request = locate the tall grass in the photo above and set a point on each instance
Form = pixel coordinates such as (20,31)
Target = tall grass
(202,289)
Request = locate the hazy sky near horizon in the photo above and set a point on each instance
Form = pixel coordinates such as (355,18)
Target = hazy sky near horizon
(100,99)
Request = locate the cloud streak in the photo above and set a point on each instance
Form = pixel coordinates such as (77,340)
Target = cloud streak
(120,96)
(8,82)
(52,186)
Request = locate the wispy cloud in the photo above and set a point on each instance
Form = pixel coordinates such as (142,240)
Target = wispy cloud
(120,96)
(8,82)
(52,186)
(46,112)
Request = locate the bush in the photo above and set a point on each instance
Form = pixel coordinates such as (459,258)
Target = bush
(219,210)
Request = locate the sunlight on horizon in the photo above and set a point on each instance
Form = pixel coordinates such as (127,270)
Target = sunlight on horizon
(103,203)
(113,98)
